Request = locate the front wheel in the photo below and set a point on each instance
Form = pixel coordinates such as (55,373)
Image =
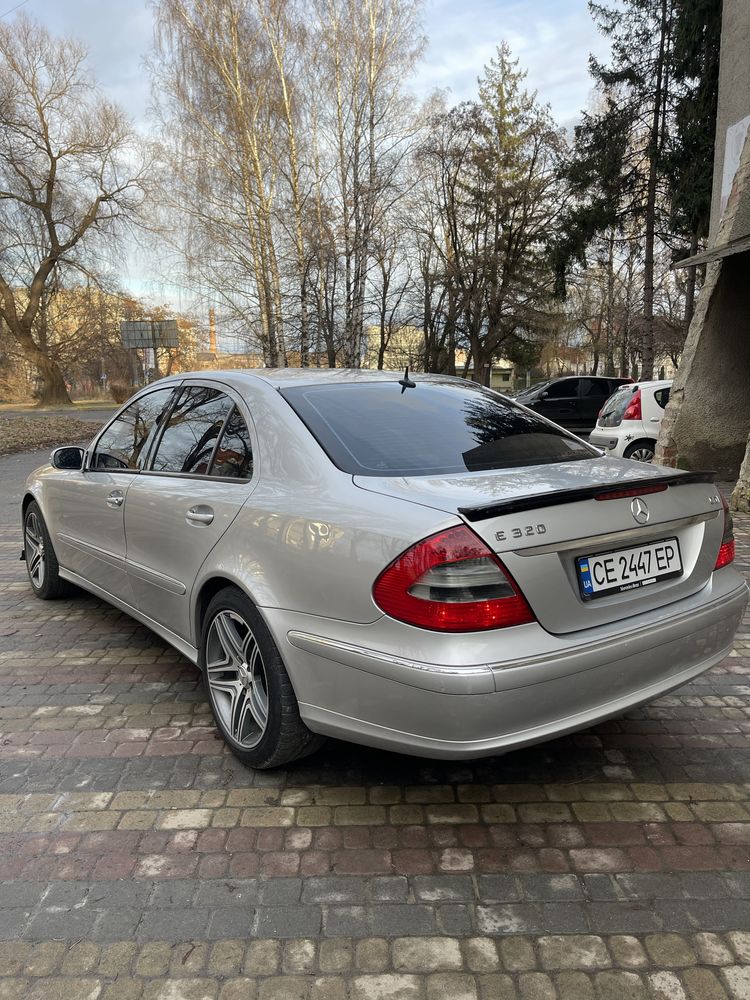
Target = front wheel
(41,561)
(640,451)
(248,688)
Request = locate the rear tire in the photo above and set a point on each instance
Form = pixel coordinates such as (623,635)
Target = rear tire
(641,451)
(247,685)
(41,561)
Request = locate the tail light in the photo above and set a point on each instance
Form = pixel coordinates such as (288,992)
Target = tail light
(633,410)
(726,552)
(451,582)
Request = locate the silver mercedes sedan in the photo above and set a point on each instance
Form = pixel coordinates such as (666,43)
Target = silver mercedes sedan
(418,564)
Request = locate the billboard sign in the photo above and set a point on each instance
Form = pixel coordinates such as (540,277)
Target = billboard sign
(149,333)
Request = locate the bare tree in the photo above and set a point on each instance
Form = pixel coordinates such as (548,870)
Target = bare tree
(69,177)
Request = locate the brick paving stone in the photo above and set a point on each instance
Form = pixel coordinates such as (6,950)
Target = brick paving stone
(573,952)
(138,858)
(703,984)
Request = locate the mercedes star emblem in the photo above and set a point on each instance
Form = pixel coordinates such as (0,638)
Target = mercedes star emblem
(640,510)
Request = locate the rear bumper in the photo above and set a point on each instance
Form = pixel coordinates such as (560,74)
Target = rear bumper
(601,438)
(464,707)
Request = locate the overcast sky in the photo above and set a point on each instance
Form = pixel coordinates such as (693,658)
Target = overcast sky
(552,39)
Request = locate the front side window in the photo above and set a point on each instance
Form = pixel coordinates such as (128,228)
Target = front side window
(436,428)
(125,443)
(190,434)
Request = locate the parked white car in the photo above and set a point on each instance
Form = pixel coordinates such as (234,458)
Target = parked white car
(628,423)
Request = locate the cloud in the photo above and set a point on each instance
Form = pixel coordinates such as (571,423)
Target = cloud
(117,34)
(551,38)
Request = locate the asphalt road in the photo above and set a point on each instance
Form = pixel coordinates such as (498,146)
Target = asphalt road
(96,415)
(13,472)
(15,468)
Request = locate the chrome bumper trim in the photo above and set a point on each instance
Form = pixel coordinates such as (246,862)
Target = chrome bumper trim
(484,678)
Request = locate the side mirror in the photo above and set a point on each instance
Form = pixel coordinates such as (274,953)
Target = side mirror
(543,395)
(67,458)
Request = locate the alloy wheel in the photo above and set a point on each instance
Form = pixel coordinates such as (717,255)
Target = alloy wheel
(237,678)
(35,558)
(642,455)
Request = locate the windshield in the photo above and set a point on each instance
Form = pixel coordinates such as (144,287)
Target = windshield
(436,428)
(532,389)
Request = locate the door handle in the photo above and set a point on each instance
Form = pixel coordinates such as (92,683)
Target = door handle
(200,515)
(655,420)
(116,498)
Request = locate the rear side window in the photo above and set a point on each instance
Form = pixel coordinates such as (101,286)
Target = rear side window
(233,457)
(662,396)
(124,444)
(566,389)
(189,437)
(597,388)
(437,428)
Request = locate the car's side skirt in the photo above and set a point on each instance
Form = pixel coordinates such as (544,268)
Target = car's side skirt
(171,637)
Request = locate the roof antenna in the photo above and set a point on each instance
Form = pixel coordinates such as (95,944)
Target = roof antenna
(406,382)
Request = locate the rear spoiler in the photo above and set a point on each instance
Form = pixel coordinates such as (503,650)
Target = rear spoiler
(600,492)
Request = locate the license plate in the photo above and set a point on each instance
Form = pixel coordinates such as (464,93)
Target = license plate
(628,569)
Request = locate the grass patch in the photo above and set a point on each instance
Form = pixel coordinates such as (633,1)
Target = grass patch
(31,433)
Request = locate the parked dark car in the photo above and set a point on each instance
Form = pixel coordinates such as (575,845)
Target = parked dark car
(573,401)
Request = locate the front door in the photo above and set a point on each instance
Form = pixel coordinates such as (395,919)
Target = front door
(87,507)
(199,477)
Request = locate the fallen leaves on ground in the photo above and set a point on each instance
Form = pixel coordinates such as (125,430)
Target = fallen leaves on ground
(31,433)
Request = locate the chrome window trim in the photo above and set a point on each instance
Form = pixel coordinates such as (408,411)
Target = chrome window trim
(193,475)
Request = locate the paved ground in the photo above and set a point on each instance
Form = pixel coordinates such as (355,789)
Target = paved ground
(138,858)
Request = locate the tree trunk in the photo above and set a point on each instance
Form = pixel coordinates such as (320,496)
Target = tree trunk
(690,285)
(609,334)
(647,341)
(741,495)
(54,389)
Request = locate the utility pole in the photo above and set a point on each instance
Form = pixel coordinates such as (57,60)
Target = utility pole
(157,373)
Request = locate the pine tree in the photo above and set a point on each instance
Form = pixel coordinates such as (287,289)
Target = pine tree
(498,199)
(620,146)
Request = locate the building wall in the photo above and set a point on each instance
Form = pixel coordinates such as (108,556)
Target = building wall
(734,97)
(707,421)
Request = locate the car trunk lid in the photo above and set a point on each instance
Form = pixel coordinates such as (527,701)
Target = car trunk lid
(540,520)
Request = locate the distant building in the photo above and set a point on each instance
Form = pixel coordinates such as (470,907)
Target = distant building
(404,346)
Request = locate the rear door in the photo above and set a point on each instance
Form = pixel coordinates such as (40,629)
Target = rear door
(653,404)
(559,402)
(593,393)
(88,506)
(198,478)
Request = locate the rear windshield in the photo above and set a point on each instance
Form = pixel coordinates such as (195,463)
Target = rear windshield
(436,428)
(613,410)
